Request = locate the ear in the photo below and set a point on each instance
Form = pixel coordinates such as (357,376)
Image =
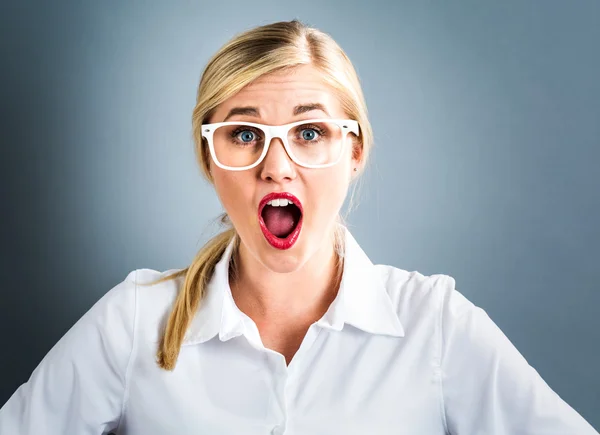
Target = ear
(357,152)
(208,161)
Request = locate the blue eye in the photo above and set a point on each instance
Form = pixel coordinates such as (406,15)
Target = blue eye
(246,136)
(309,134)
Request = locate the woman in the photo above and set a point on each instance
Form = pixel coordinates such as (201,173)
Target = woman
(281,324)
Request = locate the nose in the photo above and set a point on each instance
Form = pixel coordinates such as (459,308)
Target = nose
(277,165)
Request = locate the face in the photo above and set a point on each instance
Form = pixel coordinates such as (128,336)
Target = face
(321,191)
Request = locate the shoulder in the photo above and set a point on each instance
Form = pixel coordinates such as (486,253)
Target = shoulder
(140,285)
(136,302)
(417,297)
(155,294)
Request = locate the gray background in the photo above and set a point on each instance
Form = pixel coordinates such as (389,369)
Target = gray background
(487,122)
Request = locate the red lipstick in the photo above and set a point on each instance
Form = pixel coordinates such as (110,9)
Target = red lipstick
(274,241)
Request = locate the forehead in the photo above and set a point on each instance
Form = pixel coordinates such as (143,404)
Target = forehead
(276,95)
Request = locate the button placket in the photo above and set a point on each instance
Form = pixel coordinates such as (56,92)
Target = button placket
(279,381)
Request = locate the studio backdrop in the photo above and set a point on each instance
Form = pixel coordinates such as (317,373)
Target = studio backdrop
(485,167)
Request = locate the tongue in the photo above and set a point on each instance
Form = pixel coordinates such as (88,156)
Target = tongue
(279,220)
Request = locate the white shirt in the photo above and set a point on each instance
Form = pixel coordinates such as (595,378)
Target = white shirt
(396,353)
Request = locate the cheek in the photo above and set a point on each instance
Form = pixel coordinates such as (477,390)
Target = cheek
(330,190)
(231,191)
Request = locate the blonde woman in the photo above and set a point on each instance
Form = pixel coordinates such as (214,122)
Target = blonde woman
(281,324)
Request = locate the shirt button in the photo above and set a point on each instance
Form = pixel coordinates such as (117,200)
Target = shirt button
(277,430)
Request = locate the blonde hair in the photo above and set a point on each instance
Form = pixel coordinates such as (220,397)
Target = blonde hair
(243,59)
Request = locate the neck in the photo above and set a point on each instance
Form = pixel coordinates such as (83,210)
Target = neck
(302,295)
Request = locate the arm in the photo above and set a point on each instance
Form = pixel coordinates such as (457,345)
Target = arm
(79,386)
(488,386)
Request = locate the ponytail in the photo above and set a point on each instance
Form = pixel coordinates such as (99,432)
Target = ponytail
(197,275)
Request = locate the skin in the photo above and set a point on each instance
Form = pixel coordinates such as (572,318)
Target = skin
(284,292)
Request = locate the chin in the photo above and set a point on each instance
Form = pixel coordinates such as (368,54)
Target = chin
(283,261)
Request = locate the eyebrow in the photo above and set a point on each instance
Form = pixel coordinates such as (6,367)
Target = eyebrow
(298,110)
(303,108)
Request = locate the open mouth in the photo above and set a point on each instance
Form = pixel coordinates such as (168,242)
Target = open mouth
(280,217)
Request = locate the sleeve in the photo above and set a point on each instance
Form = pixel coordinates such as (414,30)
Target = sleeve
(79,386)
(487,385)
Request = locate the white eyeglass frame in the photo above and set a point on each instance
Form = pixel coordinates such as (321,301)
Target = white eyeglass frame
(281,132)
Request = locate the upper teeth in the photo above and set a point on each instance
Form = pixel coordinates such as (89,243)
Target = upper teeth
(280,202)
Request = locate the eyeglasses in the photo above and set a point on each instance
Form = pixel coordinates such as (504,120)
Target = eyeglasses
(312,143)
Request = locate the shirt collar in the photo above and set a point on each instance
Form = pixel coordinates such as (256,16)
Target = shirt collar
(362,301)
